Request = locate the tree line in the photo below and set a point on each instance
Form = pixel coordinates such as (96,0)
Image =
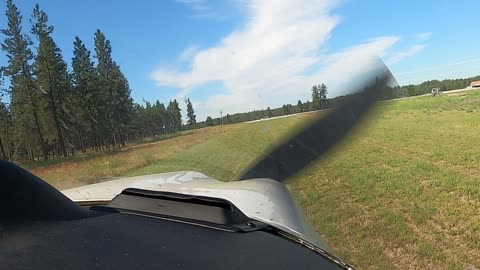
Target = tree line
(320,101)
(54,111)
(426,87)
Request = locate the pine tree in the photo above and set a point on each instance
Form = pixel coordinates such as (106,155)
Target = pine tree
(6,140)
(315,98)
(122,103)
(300,106)
(24,96)
(269,112)
(114,87)
(191,118)
(411,90)
(160,116)
(149,120)
(90,105)
(322,90)
(286,109)
(170,118)
(177,115)
(174,116)
(103,86)
(52,80)
(209,121)
(138,124)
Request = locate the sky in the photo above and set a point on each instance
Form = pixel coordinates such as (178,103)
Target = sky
(240,55)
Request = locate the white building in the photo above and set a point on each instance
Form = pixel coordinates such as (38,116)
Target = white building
(475,84)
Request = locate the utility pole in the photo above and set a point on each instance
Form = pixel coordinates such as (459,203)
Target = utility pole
(221,116)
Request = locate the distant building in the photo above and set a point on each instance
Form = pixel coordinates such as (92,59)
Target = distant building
(475,84)
(436,92)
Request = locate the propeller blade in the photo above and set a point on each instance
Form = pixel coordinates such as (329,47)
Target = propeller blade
(315,140)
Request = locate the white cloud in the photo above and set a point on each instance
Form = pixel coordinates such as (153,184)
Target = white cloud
(424,36)
(264,63)
(189,53)
(399,56)
(341,67)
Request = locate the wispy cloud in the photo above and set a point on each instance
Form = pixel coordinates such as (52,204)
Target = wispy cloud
(424,36)
(439,67)
(189,53)
(195,4)
(342,66)
(464,68)
(264,62)
(399,56)
(202,9)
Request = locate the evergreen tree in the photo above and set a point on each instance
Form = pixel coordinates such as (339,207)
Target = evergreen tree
(269,112)
(23,93)
(174,116)
(209,121)
(300,106)
(89,105)
(52,80)
(160,116)
(191,121)
(6,140)
(316,101)
(170,117)
(104,68)
(113,86)
(411,91)
(138,127)
(122,103)
(149,120)
(322,90)
(287,109)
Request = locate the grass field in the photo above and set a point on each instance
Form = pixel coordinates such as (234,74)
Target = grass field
(401,192)
(91,168)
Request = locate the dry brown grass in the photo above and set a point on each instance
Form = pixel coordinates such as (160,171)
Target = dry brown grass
(90,170)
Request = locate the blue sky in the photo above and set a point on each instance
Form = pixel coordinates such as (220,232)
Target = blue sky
(238,55)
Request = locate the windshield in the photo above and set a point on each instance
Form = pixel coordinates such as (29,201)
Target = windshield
(98,90)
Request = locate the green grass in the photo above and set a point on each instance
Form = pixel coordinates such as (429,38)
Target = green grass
(400,192)
(228,150)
